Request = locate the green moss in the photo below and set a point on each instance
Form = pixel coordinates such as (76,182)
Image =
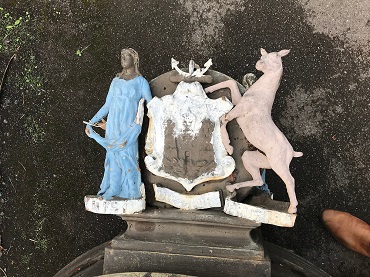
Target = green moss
(15,34)
(39,226)
(25,260)
(14,31)
(42,244)
(43,185)
(37,208)
(31,78)
(40,241)
(34,130)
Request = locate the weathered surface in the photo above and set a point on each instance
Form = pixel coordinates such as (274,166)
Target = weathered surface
(184,140)
(260,214)
(199,243)
(188,202)
(98,205)
(283,263)
(163,86)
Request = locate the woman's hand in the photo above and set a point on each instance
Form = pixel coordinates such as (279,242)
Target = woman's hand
(102,124)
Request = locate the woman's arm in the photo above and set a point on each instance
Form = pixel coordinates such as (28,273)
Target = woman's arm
(105,109)
(146,94)
(125,141)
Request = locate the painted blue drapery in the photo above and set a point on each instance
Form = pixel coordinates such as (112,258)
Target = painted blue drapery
(121,174)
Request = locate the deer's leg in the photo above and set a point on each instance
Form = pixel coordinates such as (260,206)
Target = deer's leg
(281,167)
(235,92)
(232,85)
(225,136)
(252,161)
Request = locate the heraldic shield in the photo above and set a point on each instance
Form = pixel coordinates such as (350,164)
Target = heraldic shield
(184,139)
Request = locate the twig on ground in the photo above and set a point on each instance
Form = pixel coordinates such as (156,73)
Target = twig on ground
(2,249)
(10,246)
(12,184)
(86,48)
(22,165)
(6,70)
(3,272)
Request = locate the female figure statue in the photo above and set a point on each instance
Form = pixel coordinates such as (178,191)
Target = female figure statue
(124,108)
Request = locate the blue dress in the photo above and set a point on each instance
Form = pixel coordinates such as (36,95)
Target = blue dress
(122,173)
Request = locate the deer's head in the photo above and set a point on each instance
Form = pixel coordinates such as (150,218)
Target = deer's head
(271,62)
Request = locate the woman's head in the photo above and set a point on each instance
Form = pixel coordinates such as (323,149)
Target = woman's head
(130,58)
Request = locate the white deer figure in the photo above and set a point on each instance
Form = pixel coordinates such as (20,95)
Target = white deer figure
(253,114)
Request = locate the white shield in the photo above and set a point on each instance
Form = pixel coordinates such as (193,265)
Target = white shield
(184,140)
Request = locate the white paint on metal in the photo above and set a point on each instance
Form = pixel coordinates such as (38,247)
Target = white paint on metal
(98,205)
(187,202)
(187,107)
(259,214)
(197,73)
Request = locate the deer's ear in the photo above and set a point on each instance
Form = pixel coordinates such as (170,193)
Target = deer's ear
(263,52)
(283,53)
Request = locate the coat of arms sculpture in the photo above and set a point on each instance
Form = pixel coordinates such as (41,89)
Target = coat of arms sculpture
(189,159)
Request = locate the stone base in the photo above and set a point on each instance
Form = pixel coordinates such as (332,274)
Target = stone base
(188,202)
(263,210)
(198,243)
(117,206)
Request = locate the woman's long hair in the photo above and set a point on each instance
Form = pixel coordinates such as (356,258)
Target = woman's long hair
(135,57)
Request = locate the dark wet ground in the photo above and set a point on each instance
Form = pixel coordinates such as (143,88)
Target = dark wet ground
(48,164)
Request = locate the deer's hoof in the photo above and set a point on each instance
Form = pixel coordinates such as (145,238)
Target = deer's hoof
(230,149)
(292,210)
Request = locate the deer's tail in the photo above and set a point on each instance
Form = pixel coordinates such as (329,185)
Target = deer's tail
(297,154)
